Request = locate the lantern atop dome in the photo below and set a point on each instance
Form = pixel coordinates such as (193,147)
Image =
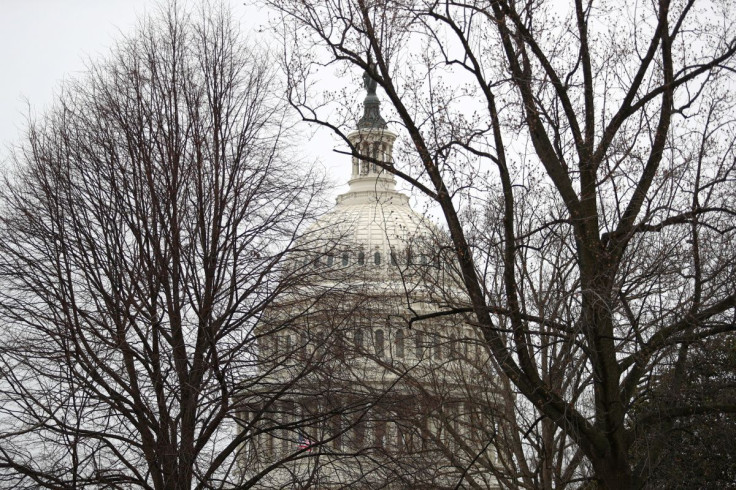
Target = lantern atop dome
(372,118)
(369,178)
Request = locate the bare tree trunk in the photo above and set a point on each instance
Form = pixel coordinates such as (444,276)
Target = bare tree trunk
(526,130)
(141,240)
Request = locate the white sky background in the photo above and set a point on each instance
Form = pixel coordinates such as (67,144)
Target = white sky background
(44,42)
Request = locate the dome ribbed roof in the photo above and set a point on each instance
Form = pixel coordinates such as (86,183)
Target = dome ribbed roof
(374,222)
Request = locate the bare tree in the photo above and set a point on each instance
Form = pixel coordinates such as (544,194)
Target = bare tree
(582,155)
(141,238)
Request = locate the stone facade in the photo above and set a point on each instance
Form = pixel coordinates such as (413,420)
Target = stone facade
(369,397)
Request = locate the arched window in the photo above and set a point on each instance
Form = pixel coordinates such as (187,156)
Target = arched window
(287,416)
(418,345)
(437,348)
(394,261)
(380,433)
(361,258)
(336,426)
(330,260)
(359,431)
(345,258)
(452,413)
(480,351)
(339,345)
(269,444)
(358,339)
(452,348)
(402,438)
(380,343)
(377,258)
(319,343)
(399,340)
(303,341)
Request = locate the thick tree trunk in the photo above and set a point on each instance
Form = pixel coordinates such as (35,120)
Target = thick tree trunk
(615,474)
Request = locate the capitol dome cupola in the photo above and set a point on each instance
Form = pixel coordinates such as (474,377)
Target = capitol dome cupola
(374,143)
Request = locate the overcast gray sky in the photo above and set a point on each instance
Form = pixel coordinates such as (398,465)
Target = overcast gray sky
(43,42)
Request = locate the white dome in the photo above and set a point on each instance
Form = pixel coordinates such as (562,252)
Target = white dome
(372,217)
(386,223)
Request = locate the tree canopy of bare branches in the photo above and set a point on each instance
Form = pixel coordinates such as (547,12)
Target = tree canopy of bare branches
(582,156)
(141,239)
